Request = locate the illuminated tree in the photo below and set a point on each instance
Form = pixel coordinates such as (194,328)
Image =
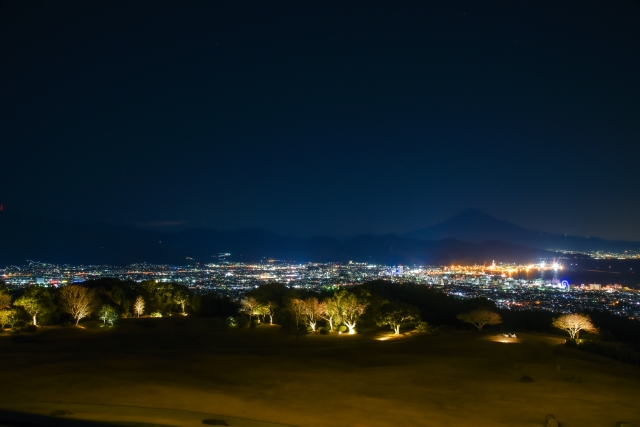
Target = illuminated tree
(181,297)
(5,301)
(36,301)
(350,308)
(397,315)
(331,312)
(8,317)
(297,307)
(138,306)
(481,317)
(268,309)
(250,306)
(574,323)
(77,301)
(4,318)
(312,309)
(108,314)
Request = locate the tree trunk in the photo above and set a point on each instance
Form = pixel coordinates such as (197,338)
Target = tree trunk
(77,320)
(34,320)
(271,319)
(396,329)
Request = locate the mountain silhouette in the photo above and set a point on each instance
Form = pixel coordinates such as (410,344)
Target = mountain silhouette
(25,238)
(475,226)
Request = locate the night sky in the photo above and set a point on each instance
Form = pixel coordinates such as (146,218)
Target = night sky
(316,117)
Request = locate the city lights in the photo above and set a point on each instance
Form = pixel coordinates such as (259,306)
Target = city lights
(534,286)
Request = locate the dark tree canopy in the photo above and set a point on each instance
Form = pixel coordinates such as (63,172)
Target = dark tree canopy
(397,315)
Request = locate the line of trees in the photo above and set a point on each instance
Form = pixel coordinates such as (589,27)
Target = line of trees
(341,309)
(376,303)
(106,299)
(380,303)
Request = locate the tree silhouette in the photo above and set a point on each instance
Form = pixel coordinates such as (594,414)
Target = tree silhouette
(481,317)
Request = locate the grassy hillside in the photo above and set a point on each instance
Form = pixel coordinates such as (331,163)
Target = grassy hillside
(456,379)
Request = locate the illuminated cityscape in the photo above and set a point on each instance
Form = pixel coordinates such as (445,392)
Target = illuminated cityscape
(308,214)
(505,284)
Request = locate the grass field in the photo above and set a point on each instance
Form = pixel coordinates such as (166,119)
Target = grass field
(456,379)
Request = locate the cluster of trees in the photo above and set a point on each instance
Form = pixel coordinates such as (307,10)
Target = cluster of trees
(106,299)
(377,303)
(401,305)
(342,309)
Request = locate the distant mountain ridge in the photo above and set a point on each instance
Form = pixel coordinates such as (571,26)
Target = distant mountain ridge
(23,238)
(475,226)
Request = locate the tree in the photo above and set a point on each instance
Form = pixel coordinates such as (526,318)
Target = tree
(312,309)
(77,301)
(297,307)
(574,323)
(108,314)
(250,306)
(7,317)
(331,312)
(350,308)
(181,297)
(481,317)
(397,315)
(5,301)
(36,301)
(138,306)
(268,309)
(12,318)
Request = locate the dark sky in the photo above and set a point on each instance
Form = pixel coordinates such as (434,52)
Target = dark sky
(316,117)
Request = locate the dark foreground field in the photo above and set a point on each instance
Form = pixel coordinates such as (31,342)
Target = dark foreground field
(456,379)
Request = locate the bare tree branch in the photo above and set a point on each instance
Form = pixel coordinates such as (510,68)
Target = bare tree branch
(76,300)
(481,317)
(574,323)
